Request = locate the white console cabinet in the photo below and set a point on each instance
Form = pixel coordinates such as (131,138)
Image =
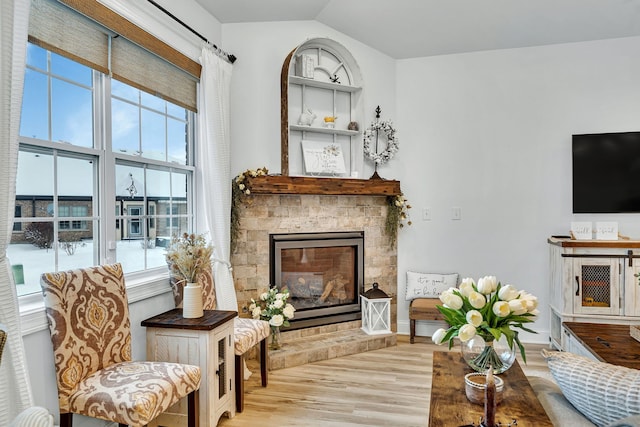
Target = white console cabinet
(593,281)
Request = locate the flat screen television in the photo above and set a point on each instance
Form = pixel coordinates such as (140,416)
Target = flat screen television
(606,172)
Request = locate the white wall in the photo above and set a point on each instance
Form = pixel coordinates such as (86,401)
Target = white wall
(490,132)
(261,49)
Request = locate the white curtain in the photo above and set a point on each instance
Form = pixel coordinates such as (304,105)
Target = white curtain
(214,170)
(15,387)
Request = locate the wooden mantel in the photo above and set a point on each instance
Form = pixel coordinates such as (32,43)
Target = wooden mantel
(277,184)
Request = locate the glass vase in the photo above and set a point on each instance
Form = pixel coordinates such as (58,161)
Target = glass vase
(276,339)
(480,354)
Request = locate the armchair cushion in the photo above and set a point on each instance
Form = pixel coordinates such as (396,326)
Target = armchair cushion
(249,332)
(144,389)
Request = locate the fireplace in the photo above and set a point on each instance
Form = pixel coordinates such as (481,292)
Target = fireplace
(323,272)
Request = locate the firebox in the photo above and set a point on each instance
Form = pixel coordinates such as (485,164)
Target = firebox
(323,272)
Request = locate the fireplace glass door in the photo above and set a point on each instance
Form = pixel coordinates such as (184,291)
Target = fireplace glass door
(323,275)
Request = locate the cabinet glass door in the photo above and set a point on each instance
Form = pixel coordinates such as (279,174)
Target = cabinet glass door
(597,289)
(222,367)
(632,289)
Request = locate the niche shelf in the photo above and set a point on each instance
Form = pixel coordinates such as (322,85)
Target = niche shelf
(321,75)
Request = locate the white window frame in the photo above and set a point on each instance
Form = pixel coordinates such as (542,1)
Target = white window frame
(140,284)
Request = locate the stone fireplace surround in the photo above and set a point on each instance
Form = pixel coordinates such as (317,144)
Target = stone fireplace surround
(270,209)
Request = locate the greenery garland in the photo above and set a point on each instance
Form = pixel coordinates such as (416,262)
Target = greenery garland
(371,132)
(240,190)
(396,216)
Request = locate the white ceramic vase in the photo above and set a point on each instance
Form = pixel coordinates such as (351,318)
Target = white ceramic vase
(192,301)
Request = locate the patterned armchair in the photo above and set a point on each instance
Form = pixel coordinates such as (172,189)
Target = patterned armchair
(88,315)
(247,333)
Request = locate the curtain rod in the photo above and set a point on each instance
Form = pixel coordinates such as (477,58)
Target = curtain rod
(229,57)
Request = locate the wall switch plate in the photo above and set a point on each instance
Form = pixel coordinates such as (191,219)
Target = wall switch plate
(426,214)
(456,213)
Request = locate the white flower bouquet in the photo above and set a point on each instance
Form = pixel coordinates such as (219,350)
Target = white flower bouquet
(489,310)
(272,306)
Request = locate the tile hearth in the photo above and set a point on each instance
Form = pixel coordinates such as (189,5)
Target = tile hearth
(326,342)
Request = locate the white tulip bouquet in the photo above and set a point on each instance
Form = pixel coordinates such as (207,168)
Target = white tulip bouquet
(489,310)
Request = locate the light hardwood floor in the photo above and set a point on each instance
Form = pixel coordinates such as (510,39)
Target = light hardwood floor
(387,387)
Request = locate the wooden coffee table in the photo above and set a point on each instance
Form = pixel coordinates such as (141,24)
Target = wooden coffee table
(451,408)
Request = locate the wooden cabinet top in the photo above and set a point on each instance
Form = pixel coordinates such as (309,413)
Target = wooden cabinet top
(608,342)
(616,244)
(173,319)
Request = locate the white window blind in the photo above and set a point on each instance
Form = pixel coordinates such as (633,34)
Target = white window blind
(59,28)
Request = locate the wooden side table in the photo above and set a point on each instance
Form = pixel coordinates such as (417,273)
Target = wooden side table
(206,342)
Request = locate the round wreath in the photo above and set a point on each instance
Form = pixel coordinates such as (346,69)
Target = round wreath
(370,133)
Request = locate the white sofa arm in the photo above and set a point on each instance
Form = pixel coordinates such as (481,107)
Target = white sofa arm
(33,417)
(632,421)
(558,408)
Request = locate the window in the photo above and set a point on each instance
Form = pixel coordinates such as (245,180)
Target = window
(71,172)
(70,211)
(17,227)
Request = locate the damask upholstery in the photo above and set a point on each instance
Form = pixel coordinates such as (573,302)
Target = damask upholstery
(88,315)
(247,333)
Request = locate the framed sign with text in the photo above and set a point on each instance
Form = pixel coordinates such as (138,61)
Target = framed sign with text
(323,158)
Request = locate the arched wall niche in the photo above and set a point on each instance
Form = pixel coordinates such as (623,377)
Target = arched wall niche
(321,79)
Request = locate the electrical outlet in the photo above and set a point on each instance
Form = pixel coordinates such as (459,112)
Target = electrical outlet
(456,213)
(426,214)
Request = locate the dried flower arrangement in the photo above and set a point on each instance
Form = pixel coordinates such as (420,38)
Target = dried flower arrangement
(188,255)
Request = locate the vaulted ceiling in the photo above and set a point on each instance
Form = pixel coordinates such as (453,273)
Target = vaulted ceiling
(418,28)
